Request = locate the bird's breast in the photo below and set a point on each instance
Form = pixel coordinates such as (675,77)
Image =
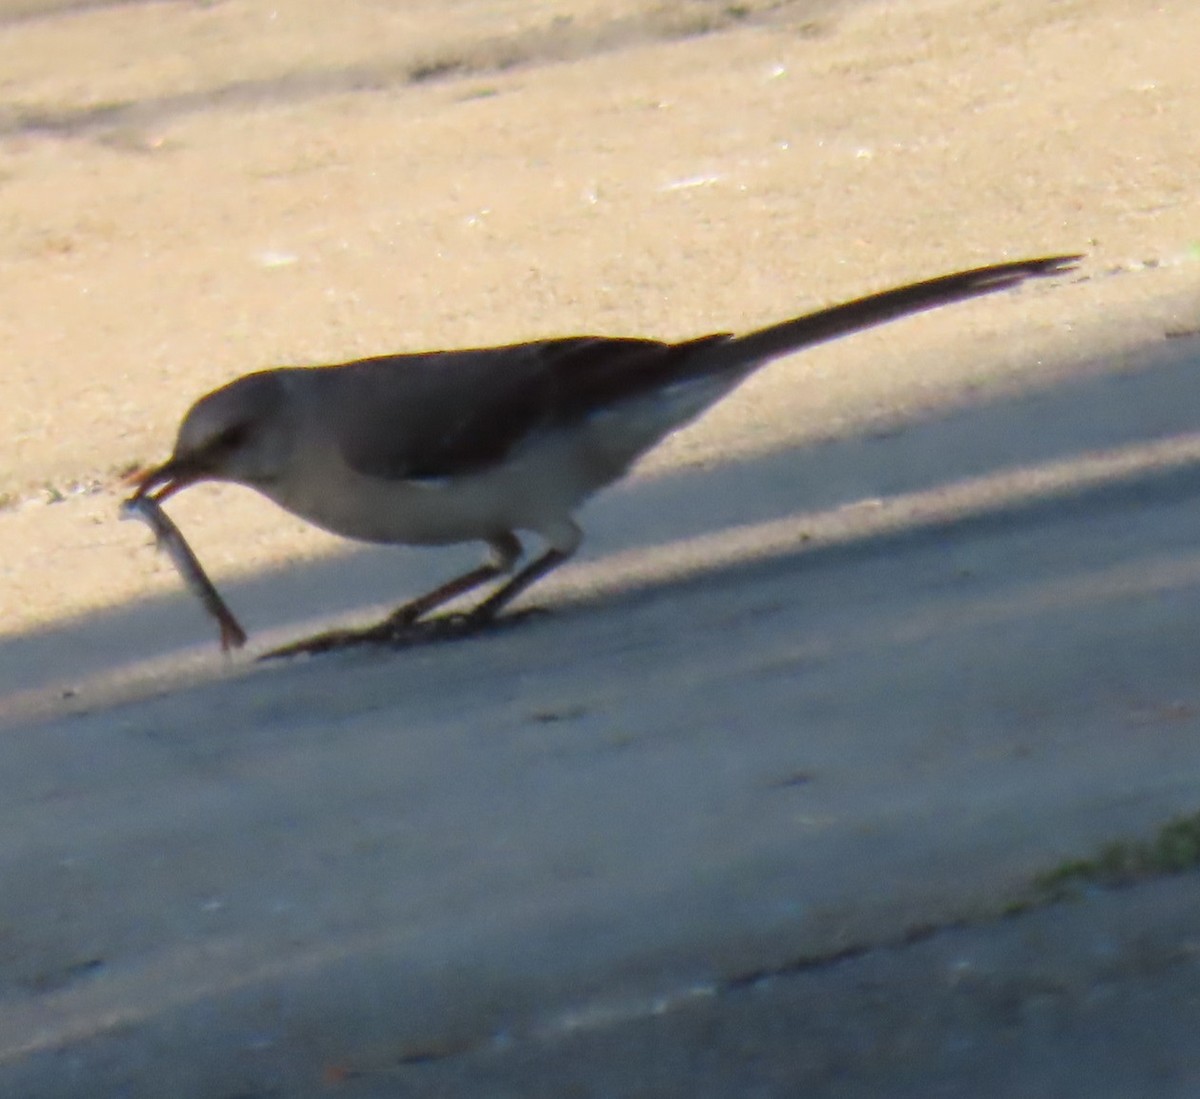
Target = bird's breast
(534,490)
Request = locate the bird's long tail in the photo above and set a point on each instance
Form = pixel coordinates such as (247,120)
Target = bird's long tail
(758,347)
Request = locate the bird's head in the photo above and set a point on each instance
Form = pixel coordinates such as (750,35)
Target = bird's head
(239,433)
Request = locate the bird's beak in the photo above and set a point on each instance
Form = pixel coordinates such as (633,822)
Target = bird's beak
(164,480)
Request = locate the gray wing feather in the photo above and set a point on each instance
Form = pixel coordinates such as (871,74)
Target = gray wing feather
(444,413)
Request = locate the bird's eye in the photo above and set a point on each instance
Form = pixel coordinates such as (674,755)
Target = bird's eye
(231,438)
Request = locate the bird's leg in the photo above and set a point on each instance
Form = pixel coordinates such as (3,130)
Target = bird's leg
(404,623)
(562,541)
(506,552)
(534,571)
(408,625)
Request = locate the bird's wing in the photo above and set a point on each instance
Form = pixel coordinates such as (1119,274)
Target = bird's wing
(445,413)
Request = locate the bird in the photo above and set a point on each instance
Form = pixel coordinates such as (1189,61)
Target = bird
(493,444)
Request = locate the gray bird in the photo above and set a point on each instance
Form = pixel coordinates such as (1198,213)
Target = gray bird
(441,447)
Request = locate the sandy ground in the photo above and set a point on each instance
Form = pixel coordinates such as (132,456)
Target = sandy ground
(903,622)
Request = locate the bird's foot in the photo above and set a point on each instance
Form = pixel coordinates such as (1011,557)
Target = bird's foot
(401,635)
(331,641)
(452,627)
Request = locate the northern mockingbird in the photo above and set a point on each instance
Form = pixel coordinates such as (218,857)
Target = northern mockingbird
(440,447)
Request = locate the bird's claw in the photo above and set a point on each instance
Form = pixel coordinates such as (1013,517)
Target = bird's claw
(400,635)
(453,626)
